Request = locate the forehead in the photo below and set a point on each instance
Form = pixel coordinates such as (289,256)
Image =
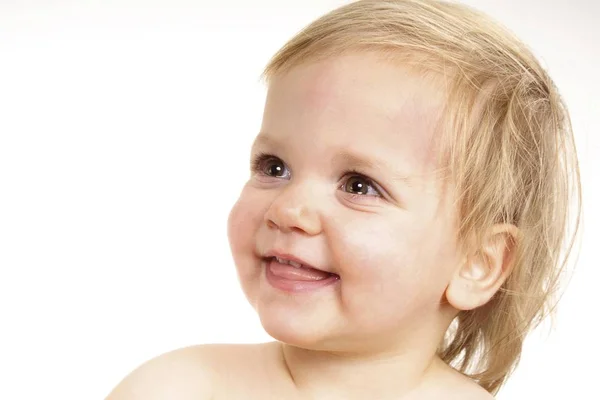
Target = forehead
(357,100)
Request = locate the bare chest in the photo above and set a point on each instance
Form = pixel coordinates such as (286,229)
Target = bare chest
(253,386)
(257,374)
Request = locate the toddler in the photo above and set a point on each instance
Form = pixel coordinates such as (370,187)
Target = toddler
(405,220)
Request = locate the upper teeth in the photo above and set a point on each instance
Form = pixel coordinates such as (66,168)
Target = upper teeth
(289,262)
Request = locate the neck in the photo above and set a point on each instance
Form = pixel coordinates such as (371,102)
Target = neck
(331,375)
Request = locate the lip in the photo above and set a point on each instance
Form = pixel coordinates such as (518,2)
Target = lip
(290,257)
(296,286)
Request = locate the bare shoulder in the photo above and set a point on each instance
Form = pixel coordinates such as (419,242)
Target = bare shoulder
(476,392)
(466,389)
(450,384)
(192,372)
(457,391)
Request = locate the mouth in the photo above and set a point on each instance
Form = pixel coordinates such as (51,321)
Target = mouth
(288,274)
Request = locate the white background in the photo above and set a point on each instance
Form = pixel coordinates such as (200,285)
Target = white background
(125,128)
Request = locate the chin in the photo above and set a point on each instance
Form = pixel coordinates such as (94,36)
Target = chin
(308,337)
(296,323)
(293,337)
(308,320)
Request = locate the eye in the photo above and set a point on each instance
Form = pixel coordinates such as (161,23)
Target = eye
(361,186)
(270,165)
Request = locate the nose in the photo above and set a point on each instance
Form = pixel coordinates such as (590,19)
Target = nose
(295,209)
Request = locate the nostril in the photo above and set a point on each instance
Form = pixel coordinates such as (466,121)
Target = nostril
(271,224)
(293,214)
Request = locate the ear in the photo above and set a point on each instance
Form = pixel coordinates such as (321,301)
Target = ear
(480,276)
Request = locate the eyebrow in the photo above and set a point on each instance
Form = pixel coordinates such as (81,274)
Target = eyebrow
(264,139)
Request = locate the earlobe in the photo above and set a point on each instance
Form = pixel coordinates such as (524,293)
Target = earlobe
(481,274)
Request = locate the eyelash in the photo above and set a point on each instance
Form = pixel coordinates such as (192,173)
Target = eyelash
(258,164)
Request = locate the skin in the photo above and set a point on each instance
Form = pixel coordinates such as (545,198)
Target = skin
(354,121)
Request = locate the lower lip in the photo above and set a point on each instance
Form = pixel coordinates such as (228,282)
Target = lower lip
(296,286)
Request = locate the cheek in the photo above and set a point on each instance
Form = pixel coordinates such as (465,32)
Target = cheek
(369,248)
(242,225)
(392,266)
(379,254)
(236,226)
(244,220)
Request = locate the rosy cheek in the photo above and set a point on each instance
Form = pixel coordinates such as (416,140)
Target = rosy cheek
(237,225)
(372,247)
(245,219)
(233,224)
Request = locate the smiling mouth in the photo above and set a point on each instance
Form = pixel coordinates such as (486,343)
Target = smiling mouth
(294,270)
(292,276)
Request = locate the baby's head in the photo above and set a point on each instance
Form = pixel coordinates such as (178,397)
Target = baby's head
(420,160)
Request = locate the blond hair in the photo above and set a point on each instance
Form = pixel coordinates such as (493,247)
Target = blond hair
(510,152)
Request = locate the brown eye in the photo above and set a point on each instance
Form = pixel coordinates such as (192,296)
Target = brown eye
(269,165)
(360,185)
(274,167)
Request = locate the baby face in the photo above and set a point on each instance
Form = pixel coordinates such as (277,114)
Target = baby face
(343,182)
